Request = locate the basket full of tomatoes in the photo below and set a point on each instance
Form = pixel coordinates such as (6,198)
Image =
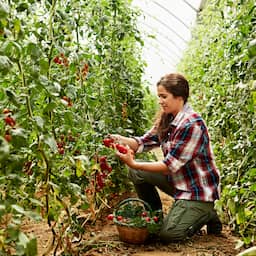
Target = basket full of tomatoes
(135,220)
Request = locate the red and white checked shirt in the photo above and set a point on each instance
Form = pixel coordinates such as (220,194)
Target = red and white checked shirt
(188,154)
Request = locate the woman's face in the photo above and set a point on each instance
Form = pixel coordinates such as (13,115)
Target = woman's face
(169,103)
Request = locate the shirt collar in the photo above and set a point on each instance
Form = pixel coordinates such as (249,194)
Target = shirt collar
(180,116)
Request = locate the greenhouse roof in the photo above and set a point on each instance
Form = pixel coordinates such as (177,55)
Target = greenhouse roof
(166,27)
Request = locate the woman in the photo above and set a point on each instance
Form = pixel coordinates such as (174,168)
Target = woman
(188,172)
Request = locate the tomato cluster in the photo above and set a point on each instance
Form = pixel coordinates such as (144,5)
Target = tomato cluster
(81,74)
(61,60)
(10,123)
(110,143)
(61,144)
(9,120)
(67,101)
(85,70)
(101,176)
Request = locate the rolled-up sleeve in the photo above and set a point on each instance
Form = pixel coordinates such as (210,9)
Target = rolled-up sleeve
(186,143)
(148,141)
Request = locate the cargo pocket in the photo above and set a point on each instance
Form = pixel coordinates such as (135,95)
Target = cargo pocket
(175,215)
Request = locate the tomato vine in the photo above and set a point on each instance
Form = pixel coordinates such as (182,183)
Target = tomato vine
(220,64)
(70,74)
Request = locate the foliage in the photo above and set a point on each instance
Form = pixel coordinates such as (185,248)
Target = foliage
(70,74)
(222,77)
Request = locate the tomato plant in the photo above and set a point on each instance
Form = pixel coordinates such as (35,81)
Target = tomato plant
(70,73)
(220,65)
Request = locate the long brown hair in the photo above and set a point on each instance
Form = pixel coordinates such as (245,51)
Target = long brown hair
(177,85)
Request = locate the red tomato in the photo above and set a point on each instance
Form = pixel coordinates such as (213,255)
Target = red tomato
(119,218)
(110,216)
(156,219)
(57,60)
(144,214)
(61,151)
(122,149)
(103,159)
(8,137)
(108,142)
(147,219)
(9,121)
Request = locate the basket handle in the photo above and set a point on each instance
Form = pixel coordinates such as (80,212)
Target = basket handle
(134,199)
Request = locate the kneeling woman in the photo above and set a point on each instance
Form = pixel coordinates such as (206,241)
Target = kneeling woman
(187,172)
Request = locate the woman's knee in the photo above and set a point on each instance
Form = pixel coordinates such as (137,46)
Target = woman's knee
(172,235)
(133,175)
(137,176)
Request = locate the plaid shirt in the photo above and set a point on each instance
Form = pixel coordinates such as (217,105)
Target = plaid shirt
(188,155)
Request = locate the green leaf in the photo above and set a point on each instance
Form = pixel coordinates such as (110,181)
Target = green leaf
(12,97)
(252,48)
(39,122)
(253,187)
(31,247)
(84,206)
(18,209)
(231,205)
(240,216)
(33,50)
(4,10)
(35,202)
(50,141)
(2,210)
(4,148)
(5,64)
(11,49)
(22,7)
(23,239)
(79,168)
(17,25)
(253,93)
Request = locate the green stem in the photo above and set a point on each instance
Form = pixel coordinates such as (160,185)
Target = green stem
(65,207)
(47,164)
(52,12)
(77,34)
(51,38)
(28,104)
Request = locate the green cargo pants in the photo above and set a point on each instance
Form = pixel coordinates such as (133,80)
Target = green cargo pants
(185,217)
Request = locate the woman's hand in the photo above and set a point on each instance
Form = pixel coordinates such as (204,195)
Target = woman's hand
(127,158)
(119,139)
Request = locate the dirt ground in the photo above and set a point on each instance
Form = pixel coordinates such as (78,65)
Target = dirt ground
(103,239)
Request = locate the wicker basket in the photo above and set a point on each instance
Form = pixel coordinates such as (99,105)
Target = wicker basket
(132,235)
(128,233)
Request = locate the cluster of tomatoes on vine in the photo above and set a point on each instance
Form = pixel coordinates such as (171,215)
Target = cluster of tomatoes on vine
(10,123)
(61,60)
(105,167)
(62,143)
(110,143)
(98,183)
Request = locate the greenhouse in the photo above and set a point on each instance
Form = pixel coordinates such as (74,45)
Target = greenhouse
(127,127)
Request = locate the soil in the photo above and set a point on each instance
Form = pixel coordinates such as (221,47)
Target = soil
(102,238)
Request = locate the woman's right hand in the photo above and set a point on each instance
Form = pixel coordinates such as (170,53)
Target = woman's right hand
(119,139)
